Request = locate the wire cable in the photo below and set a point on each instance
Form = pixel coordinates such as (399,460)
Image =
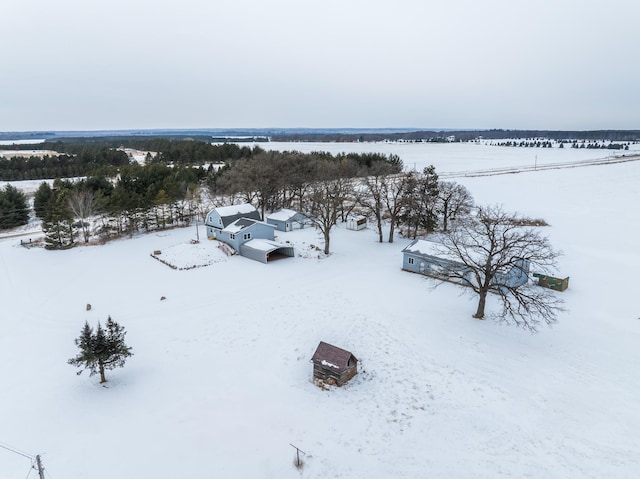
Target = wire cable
(4,446)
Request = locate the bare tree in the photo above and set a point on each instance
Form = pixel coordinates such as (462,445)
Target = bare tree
(327,197)
(82,203)
(371,197)
(454,200)
(394,198)
(492,253)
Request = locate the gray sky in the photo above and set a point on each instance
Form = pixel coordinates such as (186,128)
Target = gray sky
(126,64)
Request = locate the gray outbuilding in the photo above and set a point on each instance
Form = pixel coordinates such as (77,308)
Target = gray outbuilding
(266,251)
(286,220)
(426,258)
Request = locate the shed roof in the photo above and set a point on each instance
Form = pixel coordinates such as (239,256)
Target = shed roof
(283,215)
(331,356)
(263,245)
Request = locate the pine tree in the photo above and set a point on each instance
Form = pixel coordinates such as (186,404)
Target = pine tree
(102,349)
(14,208)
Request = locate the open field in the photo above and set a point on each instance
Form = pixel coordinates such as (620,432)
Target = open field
(220,383)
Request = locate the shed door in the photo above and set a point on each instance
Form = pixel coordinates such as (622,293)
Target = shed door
(422,267)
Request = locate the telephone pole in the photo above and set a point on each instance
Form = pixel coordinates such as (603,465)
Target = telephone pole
(40,467)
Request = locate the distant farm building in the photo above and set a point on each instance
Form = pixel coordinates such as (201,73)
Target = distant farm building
(286,220)
(425,257)
(333,365)
(356,223)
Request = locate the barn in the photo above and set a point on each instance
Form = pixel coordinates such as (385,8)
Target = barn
(333,365)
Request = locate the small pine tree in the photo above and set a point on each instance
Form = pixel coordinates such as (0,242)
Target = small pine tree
(102,349)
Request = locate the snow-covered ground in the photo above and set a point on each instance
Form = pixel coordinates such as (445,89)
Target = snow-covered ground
(220,383)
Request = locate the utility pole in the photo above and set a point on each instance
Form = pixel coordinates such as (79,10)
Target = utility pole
(298,451)
(197,230)
(40,467)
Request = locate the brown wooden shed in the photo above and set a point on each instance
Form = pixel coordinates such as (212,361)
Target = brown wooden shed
(333,365)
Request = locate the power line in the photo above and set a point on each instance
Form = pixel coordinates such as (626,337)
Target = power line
(4,446)
(35,460)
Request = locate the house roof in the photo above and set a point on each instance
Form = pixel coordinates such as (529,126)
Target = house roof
(228,214)
(331,356)
(241,209)
(243,223)
(424,247)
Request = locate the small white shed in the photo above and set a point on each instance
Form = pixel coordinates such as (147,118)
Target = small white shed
(356,223)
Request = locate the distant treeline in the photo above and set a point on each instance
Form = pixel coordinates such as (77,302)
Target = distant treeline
(104,158)
(574,144)
(463,135)
(60,166)
(133,138)
(78,158)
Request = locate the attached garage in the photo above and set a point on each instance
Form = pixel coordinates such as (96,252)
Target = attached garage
(265,251)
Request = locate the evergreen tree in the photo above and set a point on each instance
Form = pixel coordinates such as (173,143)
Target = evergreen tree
(58,222)
(102,349)
(41,199)
(14,209)
(420,215)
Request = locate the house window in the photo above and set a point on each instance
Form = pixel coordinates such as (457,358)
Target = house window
(410,260)
(247,236)
(232,236)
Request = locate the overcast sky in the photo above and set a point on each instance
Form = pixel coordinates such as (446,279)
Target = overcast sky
(128,64)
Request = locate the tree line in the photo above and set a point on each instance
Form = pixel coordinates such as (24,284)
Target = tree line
(140,198)
(88,158)
(18,168)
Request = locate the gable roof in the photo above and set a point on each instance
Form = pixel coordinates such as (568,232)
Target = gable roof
(229,214)
(241,209)
(332,356)
(423,247)
(284,215)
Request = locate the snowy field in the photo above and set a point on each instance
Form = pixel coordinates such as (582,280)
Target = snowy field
(220,383)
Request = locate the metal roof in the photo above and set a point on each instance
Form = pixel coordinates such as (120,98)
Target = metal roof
(332,356)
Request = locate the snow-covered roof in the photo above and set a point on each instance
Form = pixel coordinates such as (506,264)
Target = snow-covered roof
(282,215)
(332,356)
(263,245)
(424,247)
(243,223)
(231,210)
(239,225)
